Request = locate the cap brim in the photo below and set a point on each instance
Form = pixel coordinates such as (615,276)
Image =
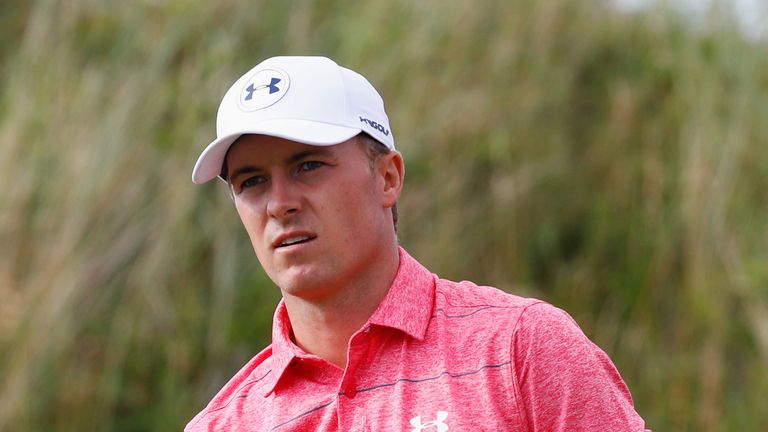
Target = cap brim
(209,163)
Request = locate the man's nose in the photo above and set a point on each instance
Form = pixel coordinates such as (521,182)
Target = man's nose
(284,197)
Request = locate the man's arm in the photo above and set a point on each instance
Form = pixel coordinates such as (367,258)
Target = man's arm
(565,382)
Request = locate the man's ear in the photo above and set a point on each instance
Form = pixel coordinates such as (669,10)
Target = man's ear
(392,170)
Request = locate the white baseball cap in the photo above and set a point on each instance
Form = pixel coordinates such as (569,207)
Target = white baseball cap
(311,100)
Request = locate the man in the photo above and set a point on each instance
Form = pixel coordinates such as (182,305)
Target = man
(365,338)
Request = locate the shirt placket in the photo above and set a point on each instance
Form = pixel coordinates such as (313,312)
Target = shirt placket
(351,413)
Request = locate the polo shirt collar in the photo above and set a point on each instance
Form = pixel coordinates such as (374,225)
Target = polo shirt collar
(409,303)
(283,348)
(407,307)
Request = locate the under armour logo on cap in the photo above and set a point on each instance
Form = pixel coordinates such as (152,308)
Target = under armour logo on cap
(263,89)
(439,423)
(271,86)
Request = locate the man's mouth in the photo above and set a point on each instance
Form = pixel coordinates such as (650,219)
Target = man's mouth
(293,240)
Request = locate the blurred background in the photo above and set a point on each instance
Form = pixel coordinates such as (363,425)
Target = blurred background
(606,156)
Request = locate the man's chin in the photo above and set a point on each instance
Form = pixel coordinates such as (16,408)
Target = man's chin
(302,283)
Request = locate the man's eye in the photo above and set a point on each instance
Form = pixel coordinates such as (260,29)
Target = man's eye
(310,165)
(252,181)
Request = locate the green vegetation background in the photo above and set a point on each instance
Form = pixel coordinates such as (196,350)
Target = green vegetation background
(613,164)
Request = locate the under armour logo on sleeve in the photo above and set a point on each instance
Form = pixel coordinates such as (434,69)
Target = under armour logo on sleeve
(439,423)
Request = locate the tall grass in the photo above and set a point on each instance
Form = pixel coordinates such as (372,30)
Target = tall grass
(613,164)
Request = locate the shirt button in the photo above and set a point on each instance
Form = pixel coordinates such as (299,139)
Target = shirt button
(351,390)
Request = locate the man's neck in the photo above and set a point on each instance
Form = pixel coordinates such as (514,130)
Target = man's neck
(324,327)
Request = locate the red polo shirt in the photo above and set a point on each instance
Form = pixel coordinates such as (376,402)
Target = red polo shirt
(438,356)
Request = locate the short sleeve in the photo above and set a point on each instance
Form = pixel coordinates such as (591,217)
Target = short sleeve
(564,381)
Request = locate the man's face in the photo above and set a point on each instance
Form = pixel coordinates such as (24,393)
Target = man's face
(317,217)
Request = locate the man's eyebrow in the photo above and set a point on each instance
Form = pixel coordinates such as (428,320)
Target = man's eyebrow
(317,151)
(243,170)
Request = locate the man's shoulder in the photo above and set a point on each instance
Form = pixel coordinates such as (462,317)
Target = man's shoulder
(469,296)
(254,375)
(484,306)
(467,314)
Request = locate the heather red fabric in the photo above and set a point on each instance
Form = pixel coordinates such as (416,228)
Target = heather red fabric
(437,356)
